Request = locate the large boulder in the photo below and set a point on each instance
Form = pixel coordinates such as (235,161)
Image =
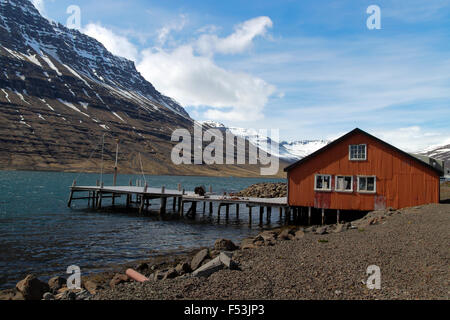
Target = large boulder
(207,269)
(118,279)
(284,235)
(56,283)
(183,268)
(170,274)
(268,236)
(322,230)
(201,256)
(299,234)
(91,286)
(225,244)
(226,259)
(247,244)
(32,288)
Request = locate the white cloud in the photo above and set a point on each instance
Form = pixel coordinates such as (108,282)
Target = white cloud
(198,81)
(117,44)
(413,139)
(194,79)
(190,75)
(164,32)
(237,42)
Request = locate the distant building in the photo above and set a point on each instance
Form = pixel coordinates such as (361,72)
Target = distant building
(361,172)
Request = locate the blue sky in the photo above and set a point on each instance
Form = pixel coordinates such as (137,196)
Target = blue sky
(310,68)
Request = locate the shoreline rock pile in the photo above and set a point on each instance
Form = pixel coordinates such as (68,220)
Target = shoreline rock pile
(264,190)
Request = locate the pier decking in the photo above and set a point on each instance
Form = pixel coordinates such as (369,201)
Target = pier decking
(140,197)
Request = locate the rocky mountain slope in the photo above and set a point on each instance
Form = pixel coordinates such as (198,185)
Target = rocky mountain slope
(61,91)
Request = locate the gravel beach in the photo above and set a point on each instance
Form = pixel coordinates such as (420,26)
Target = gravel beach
(411,247)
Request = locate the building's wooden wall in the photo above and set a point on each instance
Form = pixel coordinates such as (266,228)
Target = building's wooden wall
(401,181)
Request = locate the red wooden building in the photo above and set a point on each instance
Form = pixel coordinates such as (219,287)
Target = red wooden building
(361,172)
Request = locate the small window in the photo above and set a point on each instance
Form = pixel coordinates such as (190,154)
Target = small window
(344,184)
(322,183)
(367,184)
(358,152)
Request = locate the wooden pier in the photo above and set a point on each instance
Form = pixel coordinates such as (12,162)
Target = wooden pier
(141,196)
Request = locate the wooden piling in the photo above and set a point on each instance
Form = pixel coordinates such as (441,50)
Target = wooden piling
(180,207)
(141,207)
(100,196)
(162,208)
(309,215)
(261,215)
(338,214)
(323,216)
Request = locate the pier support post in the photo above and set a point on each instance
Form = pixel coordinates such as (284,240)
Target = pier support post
(141,207)
(250,214)
(210,207)
(269,214)
(237,210)
(261,215)
(180,201)
(69,203)
(174,204)
(100,197)
(162,208)
(128,201)
(323,216)
(180,206)
(227,211)
(218,210)
(309,215)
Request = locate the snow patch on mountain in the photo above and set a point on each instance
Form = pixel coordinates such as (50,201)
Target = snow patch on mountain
(288,151)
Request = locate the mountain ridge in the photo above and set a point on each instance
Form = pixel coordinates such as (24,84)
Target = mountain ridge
(61,91)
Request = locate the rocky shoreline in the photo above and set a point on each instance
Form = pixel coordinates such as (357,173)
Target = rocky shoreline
(318,262)
(264,190)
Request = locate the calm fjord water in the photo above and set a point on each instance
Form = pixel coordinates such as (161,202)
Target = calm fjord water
(40,235)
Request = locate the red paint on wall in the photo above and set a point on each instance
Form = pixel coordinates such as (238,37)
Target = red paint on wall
(400,181)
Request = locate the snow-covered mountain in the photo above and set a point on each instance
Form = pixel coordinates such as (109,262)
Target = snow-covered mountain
(439,153)
(303,148)
(61,91)
(288,151)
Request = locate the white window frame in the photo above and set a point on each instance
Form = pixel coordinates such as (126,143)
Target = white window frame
(374,184)
(323,175)
(336,183)
(350,152)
